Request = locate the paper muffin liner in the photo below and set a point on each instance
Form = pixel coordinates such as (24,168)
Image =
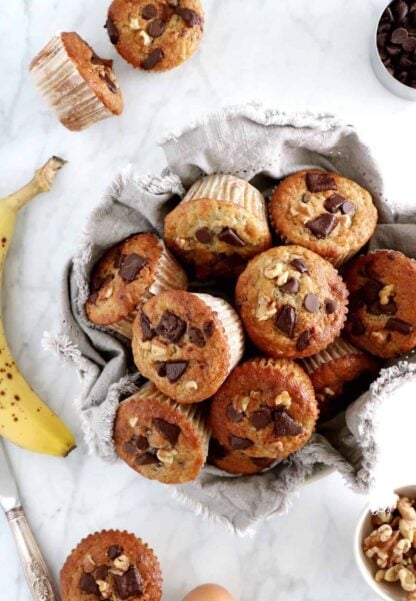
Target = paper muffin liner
(227,188)
(337,349)
(64,89)
(231,325)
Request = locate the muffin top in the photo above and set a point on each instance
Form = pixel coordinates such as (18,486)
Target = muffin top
(382,317)
(265,408)
(155,35)
(111,564)
(292,301)
(122,277)
(328,213)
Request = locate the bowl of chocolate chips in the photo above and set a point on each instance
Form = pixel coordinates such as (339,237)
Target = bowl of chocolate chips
(393,50)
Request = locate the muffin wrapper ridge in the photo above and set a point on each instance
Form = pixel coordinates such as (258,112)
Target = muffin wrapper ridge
(337,349)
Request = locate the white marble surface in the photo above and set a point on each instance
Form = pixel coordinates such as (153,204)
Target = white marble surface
(290,54)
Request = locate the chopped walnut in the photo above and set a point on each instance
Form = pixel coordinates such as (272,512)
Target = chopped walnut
(105,589)
(273,270)
(121,563)
(133,422)
(283,398)
(159,350)
(109,292)
(166,456)
(385,294)
(378,337)
(88,565)
(329,391)
(265,308)
(240,404)
(191,385)
(134,24)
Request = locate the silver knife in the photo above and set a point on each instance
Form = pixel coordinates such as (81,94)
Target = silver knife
(36,572)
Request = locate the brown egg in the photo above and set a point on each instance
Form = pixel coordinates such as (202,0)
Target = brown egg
(209,592)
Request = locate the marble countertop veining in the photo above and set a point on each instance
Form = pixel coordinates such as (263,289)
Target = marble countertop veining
(293,54)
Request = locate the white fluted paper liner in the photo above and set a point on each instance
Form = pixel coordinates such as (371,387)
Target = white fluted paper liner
(231,325)
(337,349)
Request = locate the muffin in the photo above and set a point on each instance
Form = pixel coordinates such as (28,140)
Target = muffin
(160,439)
(128,274)
(293,303)
(339,374)
(327,213)
(266,408)
(187,344)
(218,226)
(80,87)
(236,462)
(155,35)
(111,565)
(382,317)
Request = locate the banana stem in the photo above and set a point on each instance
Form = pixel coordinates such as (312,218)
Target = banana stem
(41,182)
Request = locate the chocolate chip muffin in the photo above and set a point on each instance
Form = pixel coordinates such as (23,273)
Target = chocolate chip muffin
(236,462)
(218,226)
(127,275)
(293,303)
(187,344)
(160,439)
(80,87)
(155,35)
(327,213)
(266,408)
(382,317)
(111,565)
(339,374)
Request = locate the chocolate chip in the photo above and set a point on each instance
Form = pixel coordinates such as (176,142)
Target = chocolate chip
(393,50)
(303,340)
(230,236)
(160,367)
(101,572)
(348,208)
(169,431)
(156,28)
(171,327)
(99,282)
(208,328)
(97,60)
(130,447)
(409,45)
(262,418)
(190,17)
(330,306)
(400,10)
(311,303)
(377,308)
(334,202)
(319,182)
(291,286)
(398,325)
(399,35)
(299,265)
(233,415)
(285,425)
(203,235)
(129,584)
(141,443)
(196,336)
(147,459)
(146,327)
(323,225)
(149,11)
(172,370)
(370,290)
(114,551)
(109,82)
(153,59)
(357,326)
(238,443)
(216,449)
(112,31)
(131,266)
(88,585)
(286,320)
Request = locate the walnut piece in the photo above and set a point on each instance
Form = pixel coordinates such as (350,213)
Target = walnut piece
(265,308)
(273,270)
(283,398)
(133,422)
(385,294)
(88,565)
(166,456)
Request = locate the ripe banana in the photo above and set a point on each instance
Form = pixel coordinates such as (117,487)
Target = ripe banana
(24,417)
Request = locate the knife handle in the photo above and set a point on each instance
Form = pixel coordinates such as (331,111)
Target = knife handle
(36,572)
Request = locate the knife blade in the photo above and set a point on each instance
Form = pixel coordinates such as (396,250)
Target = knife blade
(9,494)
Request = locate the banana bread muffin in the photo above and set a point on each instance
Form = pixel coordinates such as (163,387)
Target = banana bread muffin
(160,439)
(339,374)
(236,462)
(266,408)
(155,35)
(218,226)
(79,86)
(293,303)
(382,317)
(187,344)
(127,275)
(327,213)
(111,565)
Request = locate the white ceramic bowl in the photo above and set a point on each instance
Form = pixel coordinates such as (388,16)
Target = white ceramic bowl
(390,591)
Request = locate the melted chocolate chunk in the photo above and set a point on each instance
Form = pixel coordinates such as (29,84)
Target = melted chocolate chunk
(190,17)
(330,306)
(238,443)
(203,235)
(323,225)
(311,303)
(357,326)
(286,320)
(208,328)
(334,202)
(130,447)
(149,11)
(88,585)
(147,459)
(378,309)
(156,28)
(169,431)
(230,236)
(129,584)
(291,286)
(299,265)
(114,551)
(285,425)
(112,31)
(196,336)
(141,443)
(304,340)
(154,57)
(172,370)
(171,327)
(319,182)
(109,82)
(348,208)
(131,266)
(398,325)
(146,327)
(99,282)
(216,449)
(262,418)
(261,462)
(356,301)
(233,415)
(97,60)
(101,572)
(370,290)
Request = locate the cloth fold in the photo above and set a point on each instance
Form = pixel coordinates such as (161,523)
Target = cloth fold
(249,142)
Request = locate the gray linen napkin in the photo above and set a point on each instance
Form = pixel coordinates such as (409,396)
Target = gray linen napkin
(250,142)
